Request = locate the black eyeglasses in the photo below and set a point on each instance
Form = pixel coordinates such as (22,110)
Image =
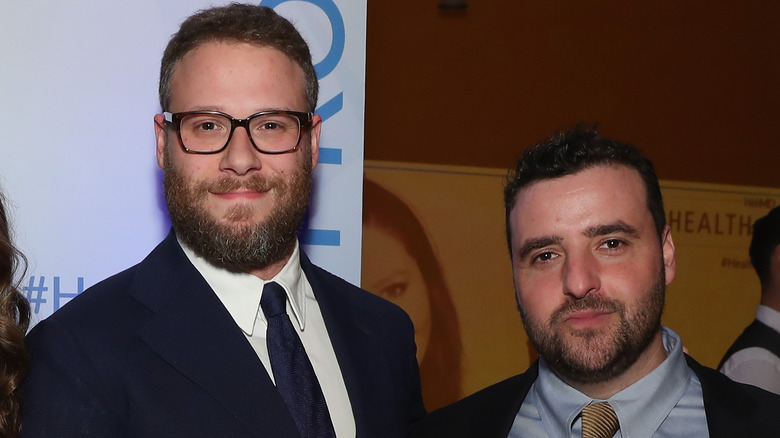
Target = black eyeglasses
(209,132)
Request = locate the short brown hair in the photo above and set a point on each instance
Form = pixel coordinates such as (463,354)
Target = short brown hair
(258,25)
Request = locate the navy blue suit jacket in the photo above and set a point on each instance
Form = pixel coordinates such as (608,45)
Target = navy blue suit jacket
(734,410)
(152,352)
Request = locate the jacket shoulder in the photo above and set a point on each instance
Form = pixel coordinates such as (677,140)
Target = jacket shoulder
(736,409)
(489,412)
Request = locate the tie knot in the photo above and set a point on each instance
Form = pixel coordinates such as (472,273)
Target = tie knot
(274,300)
(599,421)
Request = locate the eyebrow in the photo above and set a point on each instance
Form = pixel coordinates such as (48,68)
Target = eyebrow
(536,243)
(617,227)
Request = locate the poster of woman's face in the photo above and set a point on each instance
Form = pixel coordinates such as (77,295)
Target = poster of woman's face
(400,265)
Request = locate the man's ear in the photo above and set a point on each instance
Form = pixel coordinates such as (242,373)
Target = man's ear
(667,247)
(160,133)
(314,135)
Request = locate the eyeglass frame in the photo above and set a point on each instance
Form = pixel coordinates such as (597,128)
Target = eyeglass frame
(304,122)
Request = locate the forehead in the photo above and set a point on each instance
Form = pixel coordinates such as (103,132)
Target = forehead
(232,66)
(594,196)
(220,49)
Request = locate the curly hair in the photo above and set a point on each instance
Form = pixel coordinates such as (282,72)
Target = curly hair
(580,148)
(14,320)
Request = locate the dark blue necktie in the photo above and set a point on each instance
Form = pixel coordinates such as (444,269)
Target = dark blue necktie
(294,375)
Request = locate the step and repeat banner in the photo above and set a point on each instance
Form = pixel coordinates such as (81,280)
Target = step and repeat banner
(78,89)
(448,222)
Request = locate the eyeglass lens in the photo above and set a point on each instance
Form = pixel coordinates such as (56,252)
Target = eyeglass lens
(211,132)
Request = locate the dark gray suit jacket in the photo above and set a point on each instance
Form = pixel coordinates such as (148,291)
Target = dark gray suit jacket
(733,410)
(152,352)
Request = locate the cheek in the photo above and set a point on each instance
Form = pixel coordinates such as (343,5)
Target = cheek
(539,295)
(281,166)
(629,282)
(188,165)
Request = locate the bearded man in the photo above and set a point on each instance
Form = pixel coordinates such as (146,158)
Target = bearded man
(591,257)
(227,329)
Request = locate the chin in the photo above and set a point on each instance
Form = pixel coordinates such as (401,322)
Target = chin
(242,216)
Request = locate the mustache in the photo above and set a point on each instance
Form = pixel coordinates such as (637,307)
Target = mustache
(255,183)
(589,302)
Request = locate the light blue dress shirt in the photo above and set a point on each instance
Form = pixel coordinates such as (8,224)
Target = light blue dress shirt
(665,403)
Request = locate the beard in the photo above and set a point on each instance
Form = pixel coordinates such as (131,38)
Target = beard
(233,242)
(598,355)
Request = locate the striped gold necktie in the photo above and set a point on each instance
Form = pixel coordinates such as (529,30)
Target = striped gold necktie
(599,421)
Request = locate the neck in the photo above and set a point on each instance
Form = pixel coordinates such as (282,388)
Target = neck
(270,270)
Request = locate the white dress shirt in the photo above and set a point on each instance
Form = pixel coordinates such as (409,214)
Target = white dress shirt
(755,365)
(241,293)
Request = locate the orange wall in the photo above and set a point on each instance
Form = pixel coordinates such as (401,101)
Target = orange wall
(693,84)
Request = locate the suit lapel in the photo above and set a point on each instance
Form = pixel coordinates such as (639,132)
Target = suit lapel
(194,333)
(349,332)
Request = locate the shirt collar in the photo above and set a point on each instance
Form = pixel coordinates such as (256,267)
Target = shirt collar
(768,316)
(559,403)
(640,408)
(644,405)
(240,292)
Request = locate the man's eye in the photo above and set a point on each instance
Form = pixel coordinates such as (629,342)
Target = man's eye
(207,126)
(545,257)
(612,244)
(202,124)
(270,126)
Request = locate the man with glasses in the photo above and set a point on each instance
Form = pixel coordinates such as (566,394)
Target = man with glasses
(226,328)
